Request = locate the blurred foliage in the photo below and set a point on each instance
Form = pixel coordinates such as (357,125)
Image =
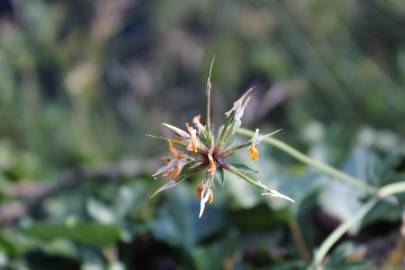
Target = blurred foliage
(82,81)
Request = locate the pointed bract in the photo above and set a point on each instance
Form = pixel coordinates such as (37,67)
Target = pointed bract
(177,130)
(239,106)
(275,194)
(168,185)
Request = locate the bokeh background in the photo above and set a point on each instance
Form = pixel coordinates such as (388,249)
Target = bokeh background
(82,82)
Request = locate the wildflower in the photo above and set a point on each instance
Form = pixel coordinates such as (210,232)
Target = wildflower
(206,151)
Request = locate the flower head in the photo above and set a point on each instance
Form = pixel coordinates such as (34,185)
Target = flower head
(204,150)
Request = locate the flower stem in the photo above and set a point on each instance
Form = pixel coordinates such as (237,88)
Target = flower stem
(339,175)
(383,193)
(208,92)
(339,232)
(298,238)
(257,184)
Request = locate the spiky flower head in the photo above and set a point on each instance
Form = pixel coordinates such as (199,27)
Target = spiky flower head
(198,148)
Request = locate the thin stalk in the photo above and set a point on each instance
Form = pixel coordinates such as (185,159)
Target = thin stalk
(255,183)
(208,92)
(298,238)
(339,232)
(391,189)
(384,192)
(358,183)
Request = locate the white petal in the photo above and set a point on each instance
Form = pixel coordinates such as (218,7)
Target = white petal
(204,199)
(256,139)
(259,139)
(275,194)
(168,185)
(240,105)
(177,130)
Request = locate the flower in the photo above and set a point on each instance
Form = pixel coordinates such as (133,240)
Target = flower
(203,150)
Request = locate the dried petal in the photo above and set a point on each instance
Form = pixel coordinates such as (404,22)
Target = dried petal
(257,138)
(197,123)
(166,159)
(193,142)
(165,168)
(210,198)
(240,105)
(199,190)
(168,185)
(275,194)
(204,198)
(211,167)
(173,150)
(177,130)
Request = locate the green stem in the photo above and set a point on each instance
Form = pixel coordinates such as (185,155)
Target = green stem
(339,232)
(208,93)
(298,238)
(255,183)
(384,192)
(358,183)
(391,189)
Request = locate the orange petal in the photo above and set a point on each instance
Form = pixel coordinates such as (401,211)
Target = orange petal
(173,173)
(192,145)
(198,191)
(210,198)
(211,167)
(253,152)
(166,159)
(173,150)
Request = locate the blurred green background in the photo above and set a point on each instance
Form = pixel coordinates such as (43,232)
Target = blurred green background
(82,82)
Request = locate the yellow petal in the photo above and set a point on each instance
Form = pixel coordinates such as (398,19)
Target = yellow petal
(211,167)
(198,191)
(173,150)
(192,145)
(253,152)
(210,198)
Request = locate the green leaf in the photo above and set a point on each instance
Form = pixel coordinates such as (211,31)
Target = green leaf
(85,233)
(8,245)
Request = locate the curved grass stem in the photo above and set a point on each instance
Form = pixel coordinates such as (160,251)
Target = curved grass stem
(339,175)
(328,243)
(384,192)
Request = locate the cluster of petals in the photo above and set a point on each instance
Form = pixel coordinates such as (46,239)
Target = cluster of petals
(201,150)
